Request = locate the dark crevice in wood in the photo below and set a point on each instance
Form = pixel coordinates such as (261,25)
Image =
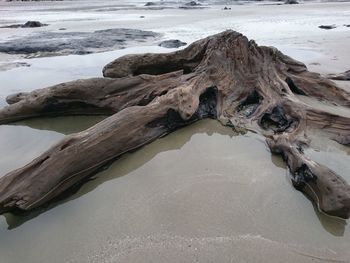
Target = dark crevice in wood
(302,176)
(164,68)
(277,120)
(43,160)
(172,120)
(294,88)
(55,104)
(251,103)
(225,77)
(149,97)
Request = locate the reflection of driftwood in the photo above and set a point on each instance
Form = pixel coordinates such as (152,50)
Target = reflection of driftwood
(224,76)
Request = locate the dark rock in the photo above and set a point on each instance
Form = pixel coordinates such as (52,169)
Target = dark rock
(291,2)
(150,4)
(12,26)
(63,43)
(28,24)
(33,24)
(327,27)
(192,3)
(227,8)
(172,43)
(62,28)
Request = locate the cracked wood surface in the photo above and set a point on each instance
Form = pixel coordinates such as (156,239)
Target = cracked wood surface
(224,77)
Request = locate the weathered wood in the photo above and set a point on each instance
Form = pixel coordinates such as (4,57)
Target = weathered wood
(224,76)
(341,76)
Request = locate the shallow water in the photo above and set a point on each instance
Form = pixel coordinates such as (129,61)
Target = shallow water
(200,194)
(192,195)
(49,71)
(291,28)
(25,140)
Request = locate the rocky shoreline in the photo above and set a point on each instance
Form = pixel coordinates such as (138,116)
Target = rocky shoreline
(80,43)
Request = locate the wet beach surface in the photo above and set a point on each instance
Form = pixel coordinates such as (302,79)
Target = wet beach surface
(192,195)
(201,194)
(81,43)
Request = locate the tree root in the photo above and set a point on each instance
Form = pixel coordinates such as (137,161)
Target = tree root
(225,77)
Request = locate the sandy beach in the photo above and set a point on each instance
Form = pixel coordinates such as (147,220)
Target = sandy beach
(201,194)
(291,28)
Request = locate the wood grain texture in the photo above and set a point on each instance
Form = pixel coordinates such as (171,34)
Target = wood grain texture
(225,77)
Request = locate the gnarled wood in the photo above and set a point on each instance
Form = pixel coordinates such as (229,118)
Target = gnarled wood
(342,76)
(224,76)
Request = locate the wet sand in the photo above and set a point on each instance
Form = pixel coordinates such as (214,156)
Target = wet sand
(198,195)
(191,196)
(292,28)
(45,72)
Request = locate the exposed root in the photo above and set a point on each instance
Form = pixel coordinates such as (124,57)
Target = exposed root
(224,76)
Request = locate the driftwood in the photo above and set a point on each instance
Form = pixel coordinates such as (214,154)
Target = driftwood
(225,77)
(342,76)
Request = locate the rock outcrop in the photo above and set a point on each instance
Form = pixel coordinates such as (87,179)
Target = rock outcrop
(56,43)
(327,27)
(291,2)
(28,24)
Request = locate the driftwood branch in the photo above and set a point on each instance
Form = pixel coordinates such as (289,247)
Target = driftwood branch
(225,76)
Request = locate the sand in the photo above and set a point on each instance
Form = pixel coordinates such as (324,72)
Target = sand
(192,196)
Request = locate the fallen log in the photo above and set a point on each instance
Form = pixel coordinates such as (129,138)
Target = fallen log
(225,77)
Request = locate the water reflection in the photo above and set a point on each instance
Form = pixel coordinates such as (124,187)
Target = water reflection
(333,225)
(278,161)
(199,182)
(48,71)
(64,125)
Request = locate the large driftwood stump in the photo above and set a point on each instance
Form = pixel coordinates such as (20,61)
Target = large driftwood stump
(225,76)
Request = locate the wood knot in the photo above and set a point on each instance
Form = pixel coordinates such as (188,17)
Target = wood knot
(188,103)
